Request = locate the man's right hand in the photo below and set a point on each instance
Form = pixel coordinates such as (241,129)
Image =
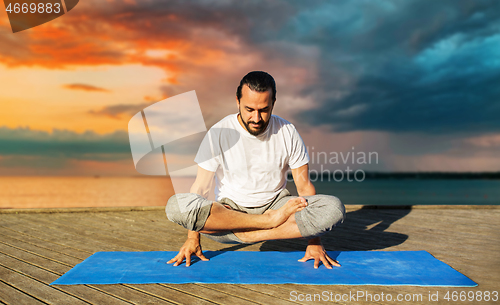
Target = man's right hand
(191,246)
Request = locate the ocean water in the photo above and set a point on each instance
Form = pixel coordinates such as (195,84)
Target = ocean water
(413,191)
(58,192)
(69,192)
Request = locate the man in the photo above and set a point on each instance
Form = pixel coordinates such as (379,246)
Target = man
(250,153)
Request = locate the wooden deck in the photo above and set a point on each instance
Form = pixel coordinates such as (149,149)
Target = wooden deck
(37,247)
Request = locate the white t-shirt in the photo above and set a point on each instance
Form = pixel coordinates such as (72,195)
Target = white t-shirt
(251,170)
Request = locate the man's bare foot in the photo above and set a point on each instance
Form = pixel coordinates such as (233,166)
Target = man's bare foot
(279,232)
(279,216)
(223,219)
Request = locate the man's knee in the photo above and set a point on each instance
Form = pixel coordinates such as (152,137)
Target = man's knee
(333,210)
(323,214)
(188,210)
(172,210)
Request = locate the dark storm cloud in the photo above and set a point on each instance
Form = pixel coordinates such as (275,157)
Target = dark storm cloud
(416,66)
(419,66)
(64,144)
(413,66)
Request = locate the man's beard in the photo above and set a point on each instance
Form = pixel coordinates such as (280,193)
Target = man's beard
(258,130)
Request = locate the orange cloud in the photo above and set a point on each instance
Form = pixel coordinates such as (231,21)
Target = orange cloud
(84,87)
(89,36)
(153,99)
(193,37)
(197,48)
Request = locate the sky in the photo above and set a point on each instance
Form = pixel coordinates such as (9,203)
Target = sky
(415,82)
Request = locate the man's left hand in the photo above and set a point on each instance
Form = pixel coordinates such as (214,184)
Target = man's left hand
(316,251)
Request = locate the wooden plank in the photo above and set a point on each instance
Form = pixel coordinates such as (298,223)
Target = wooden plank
(170,294)
(285,248)
(465,212)
(158,231)
(155,232)
(82,234)
(62,237)
(133,296)
(440,236)
(248,294)
(401,227)
(483,217)
(77,226)
(105,288)
(453,225)
(209,294)
(122,230)
(15,236)
(378,238)
(292,291)
(41,291)
(287,245)
(176,233)
(47,271)
(136,233)
(477,258)
(98,294)
(449,225)
(274,291)
(40,251)
(10,295)
(154,218)
(35,260)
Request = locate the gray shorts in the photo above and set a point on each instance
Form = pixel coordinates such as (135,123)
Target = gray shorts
(321,215)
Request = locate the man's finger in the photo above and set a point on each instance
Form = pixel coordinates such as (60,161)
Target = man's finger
(332,261)
(202,257)
(179,261)
(316,263)
(305,259)
(335,263)
(173,259)
(188,260)
(326,262)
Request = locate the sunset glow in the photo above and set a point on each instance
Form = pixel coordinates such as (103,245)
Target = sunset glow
(365,83)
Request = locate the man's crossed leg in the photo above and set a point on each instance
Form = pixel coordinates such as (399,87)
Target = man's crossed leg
(286,217)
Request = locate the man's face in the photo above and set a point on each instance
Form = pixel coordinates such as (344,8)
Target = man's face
(255,110)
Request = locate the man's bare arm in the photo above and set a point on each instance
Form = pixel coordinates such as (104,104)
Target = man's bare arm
(315,249)
(203,182)
(302,181)
(192,245)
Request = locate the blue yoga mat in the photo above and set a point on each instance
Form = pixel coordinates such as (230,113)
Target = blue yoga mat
(416,268)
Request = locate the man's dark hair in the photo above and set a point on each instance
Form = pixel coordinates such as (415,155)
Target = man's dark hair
(258,81)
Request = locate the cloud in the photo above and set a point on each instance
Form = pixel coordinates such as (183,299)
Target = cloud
(64,144)
(66,152)
(412,66)
(84,87)
(116,111)
(487,141)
